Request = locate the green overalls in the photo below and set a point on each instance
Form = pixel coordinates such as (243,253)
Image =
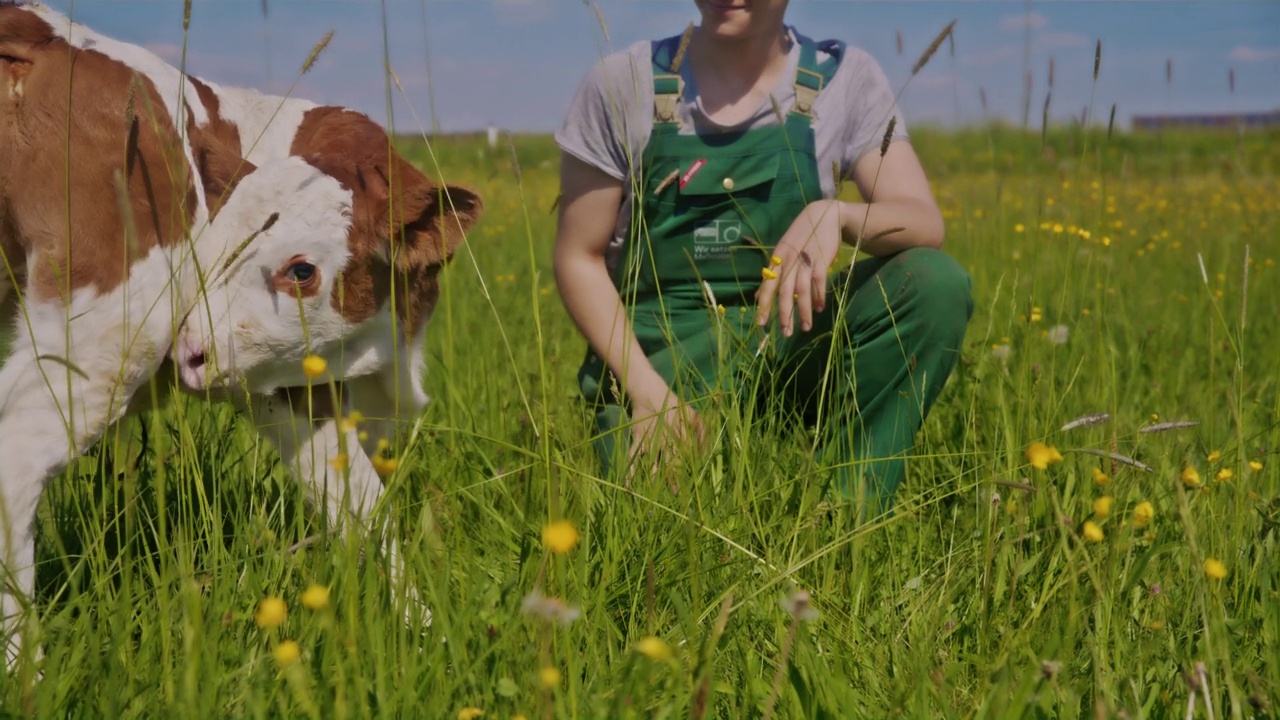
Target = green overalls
(708,211)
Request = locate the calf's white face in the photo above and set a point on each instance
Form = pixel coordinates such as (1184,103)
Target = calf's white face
(265,304)
(347,271)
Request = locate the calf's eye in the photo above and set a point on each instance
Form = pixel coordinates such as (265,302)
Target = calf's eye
(301,273)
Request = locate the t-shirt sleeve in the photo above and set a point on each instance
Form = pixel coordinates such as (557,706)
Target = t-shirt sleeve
(601,126)
(872,104)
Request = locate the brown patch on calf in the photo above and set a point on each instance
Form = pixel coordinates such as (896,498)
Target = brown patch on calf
(82,124)
(217,149)
(405,227)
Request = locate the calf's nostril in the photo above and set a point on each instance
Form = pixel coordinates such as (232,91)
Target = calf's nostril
(196,360)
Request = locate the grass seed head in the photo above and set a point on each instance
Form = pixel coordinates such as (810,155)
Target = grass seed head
(1089,420)
(888,135)
(315,52)
(933,48)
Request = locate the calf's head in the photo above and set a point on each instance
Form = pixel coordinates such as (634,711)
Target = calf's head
(349,275)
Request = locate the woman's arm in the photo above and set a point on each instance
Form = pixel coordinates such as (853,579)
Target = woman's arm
(899,213)
(897,195)
(589,205)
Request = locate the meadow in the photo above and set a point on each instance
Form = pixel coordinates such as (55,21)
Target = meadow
(1125,567)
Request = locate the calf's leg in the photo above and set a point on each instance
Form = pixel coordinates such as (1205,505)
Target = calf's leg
(53,406)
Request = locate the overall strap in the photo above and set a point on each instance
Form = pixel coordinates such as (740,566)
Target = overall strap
(813,75)
(668,86)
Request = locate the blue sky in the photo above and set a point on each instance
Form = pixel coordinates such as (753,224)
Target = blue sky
(516,63)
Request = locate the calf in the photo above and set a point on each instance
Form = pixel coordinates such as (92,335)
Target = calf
(366,302)
(134,226)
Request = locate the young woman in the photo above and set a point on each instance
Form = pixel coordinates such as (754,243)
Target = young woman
(698,183)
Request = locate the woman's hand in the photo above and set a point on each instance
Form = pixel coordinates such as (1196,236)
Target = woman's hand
(806,250)
(663,426)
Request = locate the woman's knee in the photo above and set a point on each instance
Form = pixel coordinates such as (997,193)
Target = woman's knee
(932,282)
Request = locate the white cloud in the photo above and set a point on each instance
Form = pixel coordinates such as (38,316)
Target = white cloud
(1244,53)
(1015,23)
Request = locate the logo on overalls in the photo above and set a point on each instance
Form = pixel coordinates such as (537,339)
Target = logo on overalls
(715,239)
(693,170)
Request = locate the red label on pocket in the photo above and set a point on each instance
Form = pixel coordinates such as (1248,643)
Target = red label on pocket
(693,169)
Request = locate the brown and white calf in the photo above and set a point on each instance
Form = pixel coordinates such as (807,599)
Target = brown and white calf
(134,235)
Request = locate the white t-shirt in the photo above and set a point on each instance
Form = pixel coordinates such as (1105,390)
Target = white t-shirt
(611,116)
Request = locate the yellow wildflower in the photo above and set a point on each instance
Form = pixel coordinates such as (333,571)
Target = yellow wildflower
(775,261)
(1224,475)
(1255,466)
(549,677)
(1191,476)
(287,653)
(1041,456)
(339,462)
(384,466)
(1019,227)
(1099,477)
(315,597)
(271,612)
(1215,456)
(1214,569)
(470,713)
(1092,532)
(560,536)
(654,648)
(1143,513)
(351,421)
(1102,506)
(313,366)
(768,274)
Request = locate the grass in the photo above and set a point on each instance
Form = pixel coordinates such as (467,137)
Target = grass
(980,598)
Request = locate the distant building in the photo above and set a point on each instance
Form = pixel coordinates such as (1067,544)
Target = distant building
(1208,120)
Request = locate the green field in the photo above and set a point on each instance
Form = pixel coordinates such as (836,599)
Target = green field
(1133,275)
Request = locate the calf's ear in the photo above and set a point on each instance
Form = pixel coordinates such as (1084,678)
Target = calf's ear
(431,222)
(221,169)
